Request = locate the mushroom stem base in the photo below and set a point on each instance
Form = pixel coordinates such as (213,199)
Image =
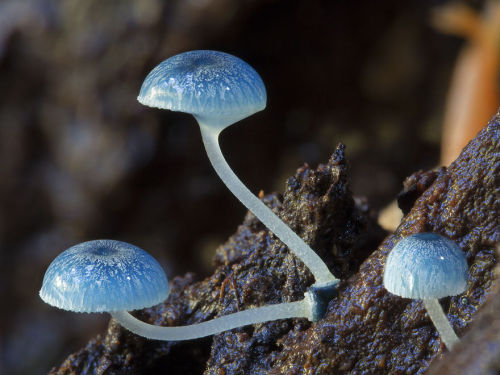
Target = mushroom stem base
(441,323)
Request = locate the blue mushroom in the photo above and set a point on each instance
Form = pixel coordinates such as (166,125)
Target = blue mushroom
(116,277)
(104,275)
(219,89)
(428,266)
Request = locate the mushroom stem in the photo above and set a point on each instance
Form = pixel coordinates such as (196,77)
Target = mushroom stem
(441,322)
(318,268)
(299,309)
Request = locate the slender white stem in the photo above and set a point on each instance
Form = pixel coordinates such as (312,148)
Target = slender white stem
(441,323)
(299,309)
(318,268)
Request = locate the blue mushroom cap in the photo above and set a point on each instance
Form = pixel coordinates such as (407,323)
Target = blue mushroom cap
(217,88)
(104,275)
(426,266)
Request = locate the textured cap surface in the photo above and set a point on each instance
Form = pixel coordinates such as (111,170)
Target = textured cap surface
(425,266)
(104,275)
(217,88)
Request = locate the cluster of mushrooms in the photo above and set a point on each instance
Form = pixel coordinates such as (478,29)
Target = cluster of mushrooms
(219,90)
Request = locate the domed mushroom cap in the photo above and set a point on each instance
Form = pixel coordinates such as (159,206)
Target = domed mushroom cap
(426,266)
(217,88)
(104,275)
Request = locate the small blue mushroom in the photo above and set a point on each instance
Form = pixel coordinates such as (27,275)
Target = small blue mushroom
(104,275)
(115,277)
(219,89)
(428,266)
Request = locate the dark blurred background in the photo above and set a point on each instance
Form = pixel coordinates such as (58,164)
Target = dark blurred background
(81,159)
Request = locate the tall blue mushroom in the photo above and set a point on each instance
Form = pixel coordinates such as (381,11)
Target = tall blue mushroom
(428,266)
(116,277)
(219,89)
